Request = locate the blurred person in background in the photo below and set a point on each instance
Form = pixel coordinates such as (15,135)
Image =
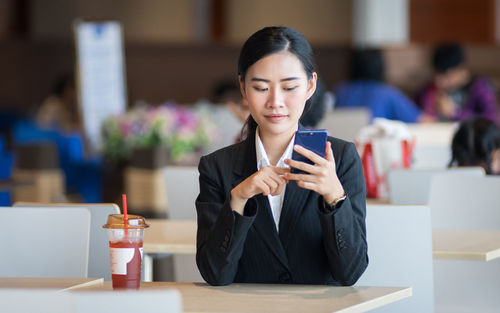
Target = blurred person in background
(366,88)
(59,110)
(455,94)
(477,143)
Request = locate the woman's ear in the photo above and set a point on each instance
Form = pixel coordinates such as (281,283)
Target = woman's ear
(242,87)
(311,86)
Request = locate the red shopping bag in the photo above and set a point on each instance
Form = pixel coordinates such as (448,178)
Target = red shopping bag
(378,157)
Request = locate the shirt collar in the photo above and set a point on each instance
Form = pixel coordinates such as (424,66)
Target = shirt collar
(263,159)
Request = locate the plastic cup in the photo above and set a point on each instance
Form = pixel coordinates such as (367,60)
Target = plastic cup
(125,250)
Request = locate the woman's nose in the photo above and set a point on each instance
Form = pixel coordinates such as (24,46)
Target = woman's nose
(276,98)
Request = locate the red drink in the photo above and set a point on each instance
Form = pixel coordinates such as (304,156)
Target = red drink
(126,259)
(125,249)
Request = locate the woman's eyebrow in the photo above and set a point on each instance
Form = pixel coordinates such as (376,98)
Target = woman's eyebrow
(256,79)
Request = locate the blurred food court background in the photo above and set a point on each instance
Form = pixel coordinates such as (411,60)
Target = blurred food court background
(180,82)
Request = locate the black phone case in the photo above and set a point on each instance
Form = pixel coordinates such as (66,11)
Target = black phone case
(314,140)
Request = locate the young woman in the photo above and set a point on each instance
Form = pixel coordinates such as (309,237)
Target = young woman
(259,223)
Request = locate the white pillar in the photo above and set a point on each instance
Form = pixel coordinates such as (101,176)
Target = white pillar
(380,22)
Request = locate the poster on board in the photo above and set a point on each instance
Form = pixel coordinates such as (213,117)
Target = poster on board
(101,77)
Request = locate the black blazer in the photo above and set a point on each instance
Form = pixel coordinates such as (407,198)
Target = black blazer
(311,247)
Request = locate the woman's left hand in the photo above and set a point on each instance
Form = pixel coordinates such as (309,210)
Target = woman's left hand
(320,177)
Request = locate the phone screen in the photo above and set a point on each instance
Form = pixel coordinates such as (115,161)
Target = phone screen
(314,140)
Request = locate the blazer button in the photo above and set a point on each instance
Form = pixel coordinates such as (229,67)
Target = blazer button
(222,249)
(285,278)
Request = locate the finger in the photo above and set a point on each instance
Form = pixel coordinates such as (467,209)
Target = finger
(280,170)
(306,185)
(316,159)
(279,190)
(301,166)
(279,181)
(271,182)
(264,188)
(329,153)
(301,177)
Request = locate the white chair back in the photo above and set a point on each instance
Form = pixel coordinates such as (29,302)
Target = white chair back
(22,300)
(465,202)
(182,187)
(151,301)
(433,144)
(99,263)
(400,254)
(431,156)
(44,242)
(412,186)
(345,123)
(466,286)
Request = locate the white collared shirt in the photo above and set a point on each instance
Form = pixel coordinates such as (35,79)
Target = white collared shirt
(275,202)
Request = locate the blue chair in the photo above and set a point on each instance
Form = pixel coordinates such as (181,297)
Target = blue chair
(6,163)
(82,175)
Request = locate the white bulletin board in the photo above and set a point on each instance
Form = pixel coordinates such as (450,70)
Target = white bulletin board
(101,81)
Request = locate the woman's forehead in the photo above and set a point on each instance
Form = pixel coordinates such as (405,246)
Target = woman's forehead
(277,65)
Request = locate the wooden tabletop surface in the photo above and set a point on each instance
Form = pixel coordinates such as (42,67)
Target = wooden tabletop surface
(170,236)
(480,245)
(49,283)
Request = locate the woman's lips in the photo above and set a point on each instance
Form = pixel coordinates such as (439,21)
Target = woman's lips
(274,118)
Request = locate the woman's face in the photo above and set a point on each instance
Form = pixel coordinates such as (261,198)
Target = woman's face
(276,88)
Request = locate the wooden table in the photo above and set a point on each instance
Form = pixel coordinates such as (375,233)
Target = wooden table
(198,297)
(170,236)
(49,283)
(167,237)
(377,201)
(479,245)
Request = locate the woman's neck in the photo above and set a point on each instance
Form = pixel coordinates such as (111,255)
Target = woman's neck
(275,145)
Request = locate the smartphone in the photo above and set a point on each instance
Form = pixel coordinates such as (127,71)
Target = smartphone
(314,140)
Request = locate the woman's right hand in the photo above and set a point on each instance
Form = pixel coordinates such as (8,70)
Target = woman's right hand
(268,180)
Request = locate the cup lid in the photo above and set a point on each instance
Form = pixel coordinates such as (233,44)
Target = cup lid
(117,221)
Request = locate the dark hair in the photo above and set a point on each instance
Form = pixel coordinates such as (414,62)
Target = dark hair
(271,40)
(447,56)
(367,64)
(62,82)
(473,143)
(315,107)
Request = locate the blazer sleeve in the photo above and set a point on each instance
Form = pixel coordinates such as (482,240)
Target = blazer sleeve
(344,229)
(221,231)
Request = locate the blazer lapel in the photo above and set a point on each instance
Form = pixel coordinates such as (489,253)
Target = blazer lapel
(245,166)
(293,205)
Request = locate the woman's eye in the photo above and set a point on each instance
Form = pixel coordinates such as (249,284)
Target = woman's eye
(290,88)
(259,89)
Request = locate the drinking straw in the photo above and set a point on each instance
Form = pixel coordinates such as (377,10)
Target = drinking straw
(125,217)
